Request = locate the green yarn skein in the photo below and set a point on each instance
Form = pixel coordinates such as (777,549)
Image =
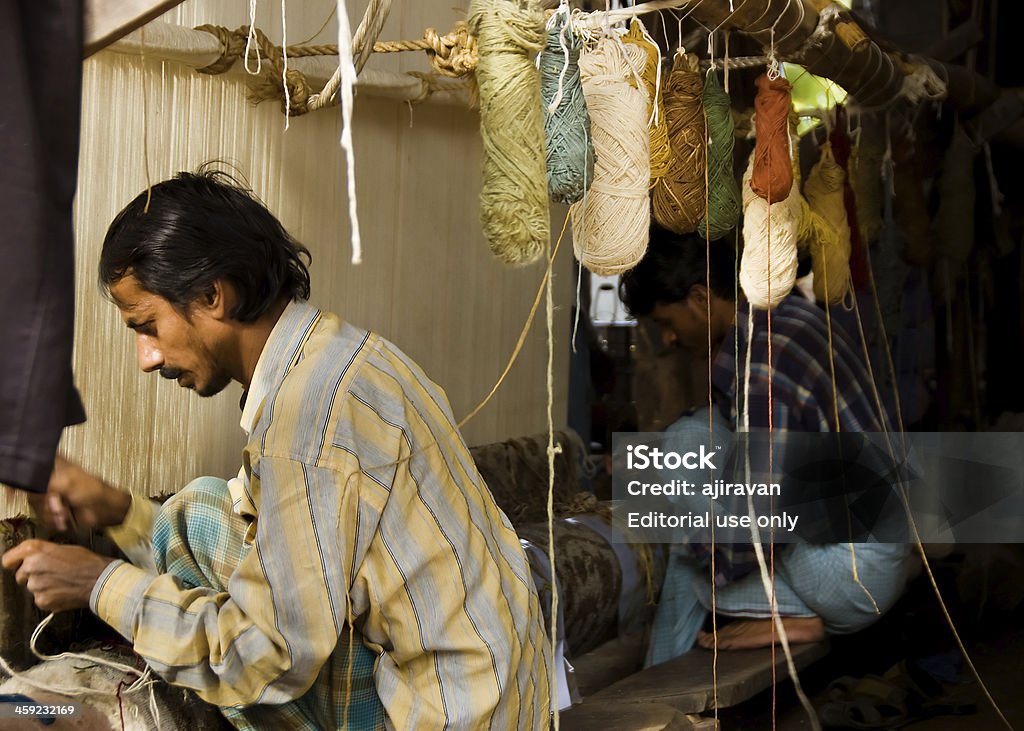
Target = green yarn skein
(570,149)
(723,210)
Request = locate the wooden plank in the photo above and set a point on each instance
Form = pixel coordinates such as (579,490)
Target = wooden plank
(687,685)
(653,717)
(108,20)
(611,662)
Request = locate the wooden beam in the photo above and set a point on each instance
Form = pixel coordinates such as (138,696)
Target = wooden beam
(849,57)
(109,20)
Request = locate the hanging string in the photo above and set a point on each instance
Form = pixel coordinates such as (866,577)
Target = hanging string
(830,254)
(660,150)
(570,150)
(250,43)
(513,201)
(145,118)
(722,210)
(678,201)
(610,226)
(552,451)
(347,77)
(284,67)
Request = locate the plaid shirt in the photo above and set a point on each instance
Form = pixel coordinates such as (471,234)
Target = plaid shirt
(799,381)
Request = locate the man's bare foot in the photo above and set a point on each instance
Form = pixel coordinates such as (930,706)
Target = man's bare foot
(747,634)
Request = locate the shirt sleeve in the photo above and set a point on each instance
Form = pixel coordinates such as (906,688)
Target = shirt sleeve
(266,638)
(134,535)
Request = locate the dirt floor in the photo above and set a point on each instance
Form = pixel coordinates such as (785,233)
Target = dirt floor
(1000,663)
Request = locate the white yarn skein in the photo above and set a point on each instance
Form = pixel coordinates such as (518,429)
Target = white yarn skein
(765,287)
(610,225)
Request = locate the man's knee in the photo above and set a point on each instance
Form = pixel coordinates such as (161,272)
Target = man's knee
(192,523)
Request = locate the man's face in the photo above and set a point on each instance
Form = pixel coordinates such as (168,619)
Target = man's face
(181,348)
(683,324)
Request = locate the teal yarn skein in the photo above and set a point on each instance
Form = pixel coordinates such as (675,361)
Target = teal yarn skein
(570,149)
(724,202)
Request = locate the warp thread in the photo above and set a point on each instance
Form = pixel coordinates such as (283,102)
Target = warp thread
(610,226)
(769,261)
(680,196)
(661,150)
(841,149)
(513,201)
(772,176)
(723,202)
(954,221)
(567,138)
(830,256)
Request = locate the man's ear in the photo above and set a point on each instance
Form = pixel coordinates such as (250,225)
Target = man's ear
(218,301)
(698,298)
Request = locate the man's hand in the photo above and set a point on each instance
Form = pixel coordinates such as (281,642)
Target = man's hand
(74,494)
(59,577)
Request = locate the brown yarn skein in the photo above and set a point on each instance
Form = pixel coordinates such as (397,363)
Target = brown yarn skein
(679,197)
(772,177)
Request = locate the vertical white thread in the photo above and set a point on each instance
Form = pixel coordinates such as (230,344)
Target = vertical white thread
(284,70)
(347,73)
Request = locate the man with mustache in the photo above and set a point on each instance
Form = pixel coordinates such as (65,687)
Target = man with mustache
(357,573)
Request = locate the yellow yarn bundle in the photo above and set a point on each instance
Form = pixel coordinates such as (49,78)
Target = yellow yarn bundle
(513,203)
(661,152)
(610,226)
(826,223)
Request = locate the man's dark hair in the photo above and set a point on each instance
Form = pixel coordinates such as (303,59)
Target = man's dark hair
(672,265)
(201,227)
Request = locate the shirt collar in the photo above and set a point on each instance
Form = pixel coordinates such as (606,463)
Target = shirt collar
(279,354)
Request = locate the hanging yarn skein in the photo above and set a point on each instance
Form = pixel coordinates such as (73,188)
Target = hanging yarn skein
(955,220)
(865,169)
(772,176)
(610,226)
(910,210)
(769,261)
(661,152)
(513,203)
(841,150)
(567,136)
(889,269)
(679,197)
(830,259)
(723,202)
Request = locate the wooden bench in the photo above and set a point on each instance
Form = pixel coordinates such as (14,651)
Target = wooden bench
(642,700)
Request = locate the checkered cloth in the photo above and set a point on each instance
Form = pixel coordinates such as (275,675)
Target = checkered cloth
(199,539)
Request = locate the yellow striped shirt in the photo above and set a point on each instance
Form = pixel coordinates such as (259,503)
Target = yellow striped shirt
(363,504)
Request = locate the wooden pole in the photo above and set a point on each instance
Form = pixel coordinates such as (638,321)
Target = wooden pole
(108,20)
